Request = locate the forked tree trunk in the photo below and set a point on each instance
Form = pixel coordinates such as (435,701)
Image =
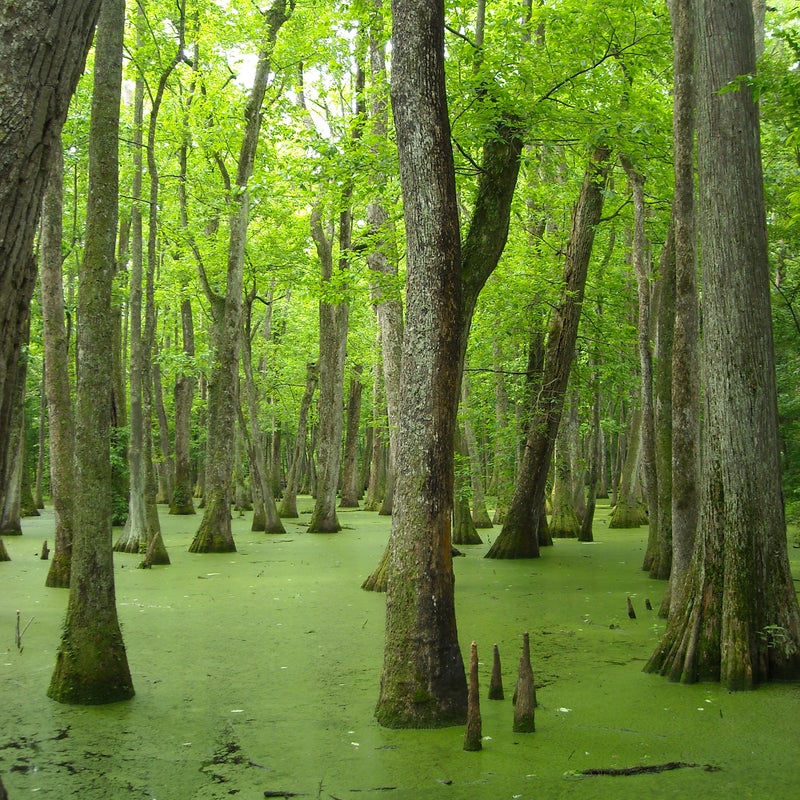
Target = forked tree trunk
(423,683)
(738,621)
(91,663)
(520,535)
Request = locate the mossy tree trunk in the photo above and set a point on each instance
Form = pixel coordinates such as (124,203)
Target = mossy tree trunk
(519,537)
(423,683)
(57,383)
(214,533)
(11,493)
(564,522)
(628,512)
(91,663)
(480,514)
(738,621)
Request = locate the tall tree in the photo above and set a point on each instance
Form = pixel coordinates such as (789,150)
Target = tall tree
(57,385)
(214,533)
(423,683)
(738,621)
(43,46)
(91,663)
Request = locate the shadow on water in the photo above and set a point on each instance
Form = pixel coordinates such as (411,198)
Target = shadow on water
(256,675)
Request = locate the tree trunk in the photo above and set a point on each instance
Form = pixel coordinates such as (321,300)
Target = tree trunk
(520,534)
(480,515)
(43,46)
(685,349)
(628,511)
(91,663)
(57,384)
(351,476)
(423,683)
(214,533)
(288,506)
(738,622)
(183,394)
(464,530)
(564,522)
(11,493)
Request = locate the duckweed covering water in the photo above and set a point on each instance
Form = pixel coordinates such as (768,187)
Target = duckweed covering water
(256,674)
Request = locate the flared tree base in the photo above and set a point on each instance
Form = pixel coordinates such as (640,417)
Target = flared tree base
(91,668)
(516,540)
(565,525)
(4,556)
(58,574)
(214,534)
(379,578)
(627,515)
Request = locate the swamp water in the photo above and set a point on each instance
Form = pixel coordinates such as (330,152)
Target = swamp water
(257,672)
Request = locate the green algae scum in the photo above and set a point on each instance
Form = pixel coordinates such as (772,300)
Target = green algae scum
(257,672)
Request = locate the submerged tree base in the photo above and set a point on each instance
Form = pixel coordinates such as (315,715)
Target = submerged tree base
(58,574)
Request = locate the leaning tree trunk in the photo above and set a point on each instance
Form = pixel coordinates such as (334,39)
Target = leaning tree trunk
(91,663)
(520,535)
(423,683)
(738,622)
(57,385)
(43,46)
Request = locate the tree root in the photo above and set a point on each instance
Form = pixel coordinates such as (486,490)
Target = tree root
(642,769)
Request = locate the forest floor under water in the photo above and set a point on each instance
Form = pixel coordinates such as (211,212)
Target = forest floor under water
(257,672)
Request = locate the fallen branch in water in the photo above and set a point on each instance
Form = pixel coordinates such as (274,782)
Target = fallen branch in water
(642,769)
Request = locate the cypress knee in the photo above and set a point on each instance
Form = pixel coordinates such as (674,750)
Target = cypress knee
(496,683)
(472,734)
(525,694)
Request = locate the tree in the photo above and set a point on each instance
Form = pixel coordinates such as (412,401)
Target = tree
(214,533)
(423,683)
(91,664)
(738,621)
(59,400)
(55,37)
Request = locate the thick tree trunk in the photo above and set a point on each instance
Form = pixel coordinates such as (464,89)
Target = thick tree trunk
(520,535)
(43,46)
(91,663)
(738,621)
(423,683)
(57,383)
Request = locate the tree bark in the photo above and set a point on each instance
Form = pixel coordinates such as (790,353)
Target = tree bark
(181,501)
(351,476)
(423,683)
(738,622)
(91,663)
(43,46)
(520,535)
(57,383)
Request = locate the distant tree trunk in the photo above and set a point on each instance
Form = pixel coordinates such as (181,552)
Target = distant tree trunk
(38,487)
(628,511)
(43,46)
(464,530)
(685,349)
(379,449)
(647,462)
(480,516)
(738,621)
(288,506)
(423,683)
(214,533)
(351,476)
(91,663)
(166,470)
(57,384)
(263,495)
(183,394)
(520,535)
(564,522)
(595,456)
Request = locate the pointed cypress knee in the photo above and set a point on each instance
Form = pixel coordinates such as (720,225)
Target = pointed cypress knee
(525,694)
(472,734)
(631,612)
(496,683)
